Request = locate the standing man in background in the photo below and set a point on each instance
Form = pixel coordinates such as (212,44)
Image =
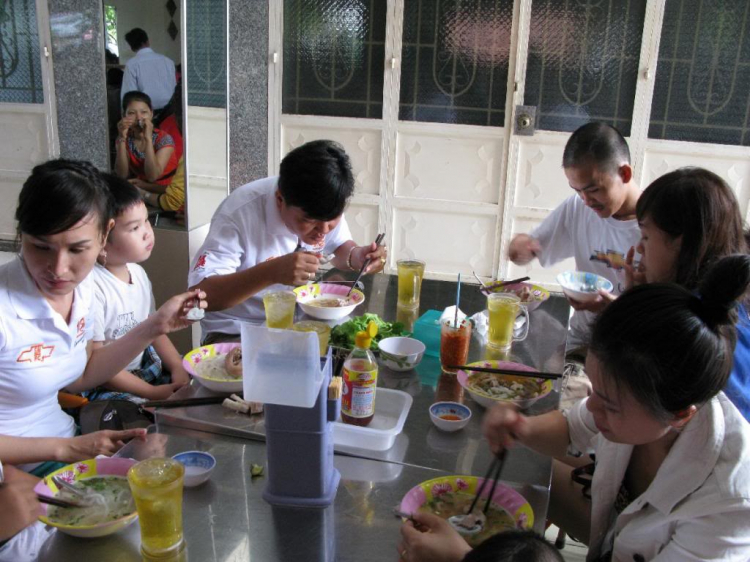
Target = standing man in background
(148,72)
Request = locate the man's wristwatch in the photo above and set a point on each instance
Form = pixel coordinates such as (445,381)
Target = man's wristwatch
(2,474)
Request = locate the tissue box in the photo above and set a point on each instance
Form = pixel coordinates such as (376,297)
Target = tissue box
(427,330)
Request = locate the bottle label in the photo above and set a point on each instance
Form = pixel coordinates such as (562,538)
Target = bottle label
(358,396)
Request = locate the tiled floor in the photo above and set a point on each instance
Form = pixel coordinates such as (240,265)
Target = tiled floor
(573,551)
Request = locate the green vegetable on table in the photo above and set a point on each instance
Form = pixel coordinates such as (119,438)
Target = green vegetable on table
(343,334)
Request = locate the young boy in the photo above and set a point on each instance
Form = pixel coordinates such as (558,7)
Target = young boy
(123,299)
(597,226)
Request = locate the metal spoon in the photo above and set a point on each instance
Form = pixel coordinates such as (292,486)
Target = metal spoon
(63,485)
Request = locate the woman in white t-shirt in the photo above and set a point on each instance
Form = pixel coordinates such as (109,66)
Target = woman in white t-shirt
(672,479)
(63,219)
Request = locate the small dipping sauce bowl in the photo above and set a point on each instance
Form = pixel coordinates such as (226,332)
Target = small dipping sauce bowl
(449,416)
(198,466)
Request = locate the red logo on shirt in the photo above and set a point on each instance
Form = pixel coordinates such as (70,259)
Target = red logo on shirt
(36,353)
(81,327)
(201,263)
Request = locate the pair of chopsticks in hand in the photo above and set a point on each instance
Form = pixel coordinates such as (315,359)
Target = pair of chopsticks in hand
(378,240)
(494,472)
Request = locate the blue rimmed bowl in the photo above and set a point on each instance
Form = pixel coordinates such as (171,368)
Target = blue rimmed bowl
(198,466)
(450,416)
(583,286)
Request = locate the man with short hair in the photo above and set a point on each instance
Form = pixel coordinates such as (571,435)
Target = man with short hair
(596,226)
(148,72)
(272,233)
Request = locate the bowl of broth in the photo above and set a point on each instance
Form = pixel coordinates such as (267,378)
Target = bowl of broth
(450,496)
(111,508)
(489,388)
(208,365)
(328,301)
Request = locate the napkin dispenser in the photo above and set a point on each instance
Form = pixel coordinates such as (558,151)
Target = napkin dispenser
(427,330)
(284,370)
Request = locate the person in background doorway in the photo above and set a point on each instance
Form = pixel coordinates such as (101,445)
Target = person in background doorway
(148,72)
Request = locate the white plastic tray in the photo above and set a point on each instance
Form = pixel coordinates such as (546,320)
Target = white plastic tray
(391,409)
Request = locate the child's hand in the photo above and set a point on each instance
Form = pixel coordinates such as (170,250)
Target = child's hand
(438,543)
(164,391)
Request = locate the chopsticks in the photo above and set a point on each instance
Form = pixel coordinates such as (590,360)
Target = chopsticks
(494,472)
(56,501)
(184,402)
(497,284)
(515,372)
(378,240)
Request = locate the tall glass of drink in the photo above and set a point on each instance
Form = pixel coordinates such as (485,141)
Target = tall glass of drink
(454,344)
(279,307)
(503,309)
(156,485)
(410,274)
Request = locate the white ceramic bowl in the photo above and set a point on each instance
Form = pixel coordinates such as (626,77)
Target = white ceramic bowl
(401,354)
(308,294)
(583,286)
(204,352)
(198,466)
(440,409)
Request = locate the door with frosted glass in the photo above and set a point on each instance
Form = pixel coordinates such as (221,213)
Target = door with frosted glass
(421,92)
(581,64)
(26,108)
(416,92)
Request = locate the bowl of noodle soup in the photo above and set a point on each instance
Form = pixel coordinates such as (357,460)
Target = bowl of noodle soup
(112,506)
(447,496)
(328,301)
(207,365)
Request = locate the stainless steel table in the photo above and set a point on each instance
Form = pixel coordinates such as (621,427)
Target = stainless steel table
(227,520)
(421,444)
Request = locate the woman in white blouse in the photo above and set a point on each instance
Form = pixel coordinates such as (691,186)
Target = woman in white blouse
(63,218)
(672,479)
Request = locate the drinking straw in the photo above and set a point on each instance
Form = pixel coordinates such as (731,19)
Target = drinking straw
(458,299)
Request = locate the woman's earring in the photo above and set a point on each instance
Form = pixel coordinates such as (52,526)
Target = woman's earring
(103,257)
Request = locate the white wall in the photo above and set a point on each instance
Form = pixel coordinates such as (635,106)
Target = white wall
(207,162)
(153,18)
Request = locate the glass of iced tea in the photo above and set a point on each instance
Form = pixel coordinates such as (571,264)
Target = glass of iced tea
(407,316)
(503,309)
(156,485)
(410,274)
(279,307)
(321,328)
(454,344)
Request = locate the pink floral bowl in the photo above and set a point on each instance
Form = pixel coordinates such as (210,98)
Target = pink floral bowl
(104,466)
(310,297)
(504,497)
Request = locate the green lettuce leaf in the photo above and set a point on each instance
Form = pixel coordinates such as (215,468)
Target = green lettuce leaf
(343,334)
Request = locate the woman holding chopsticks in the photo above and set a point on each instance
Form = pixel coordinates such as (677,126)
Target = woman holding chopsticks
(672,479)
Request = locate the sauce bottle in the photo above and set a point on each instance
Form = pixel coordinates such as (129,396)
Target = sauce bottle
(360,376)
